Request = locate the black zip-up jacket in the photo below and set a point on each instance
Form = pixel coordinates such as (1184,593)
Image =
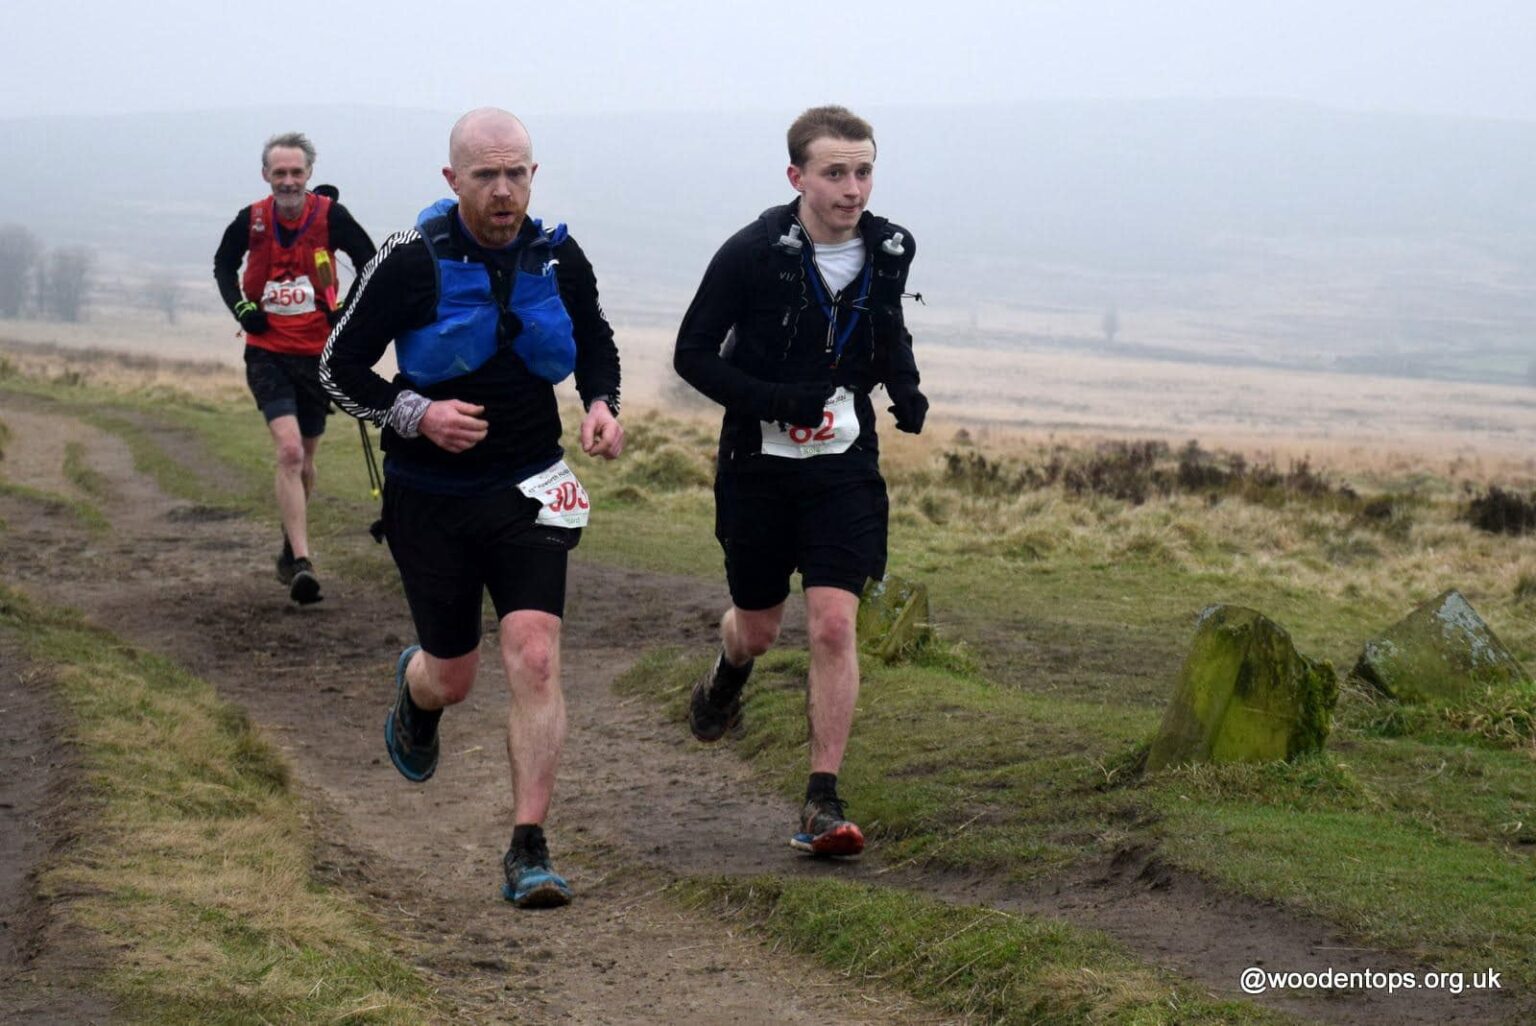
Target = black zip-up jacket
(756,302)
(397,292)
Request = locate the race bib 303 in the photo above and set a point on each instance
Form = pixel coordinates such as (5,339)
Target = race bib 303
(563,502)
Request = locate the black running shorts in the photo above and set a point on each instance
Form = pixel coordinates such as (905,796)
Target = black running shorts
(829,526)
(288,385)
(451,549)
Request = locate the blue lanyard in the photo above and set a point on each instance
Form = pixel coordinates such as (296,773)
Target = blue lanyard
(829,308)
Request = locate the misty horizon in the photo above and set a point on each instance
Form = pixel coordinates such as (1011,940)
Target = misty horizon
(1278,232)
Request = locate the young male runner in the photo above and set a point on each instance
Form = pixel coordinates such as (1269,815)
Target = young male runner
(797,319)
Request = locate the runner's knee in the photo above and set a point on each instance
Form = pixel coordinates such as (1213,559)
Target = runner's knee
(531,655)
(832,630)
(757,634)
(290,457)
(452,679)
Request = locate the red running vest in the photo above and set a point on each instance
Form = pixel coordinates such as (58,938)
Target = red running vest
(291,282)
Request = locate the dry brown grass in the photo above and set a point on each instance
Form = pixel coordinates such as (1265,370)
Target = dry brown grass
(1427,441)
(122,371)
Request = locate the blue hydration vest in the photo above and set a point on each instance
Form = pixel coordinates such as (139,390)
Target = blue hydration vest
(466,331)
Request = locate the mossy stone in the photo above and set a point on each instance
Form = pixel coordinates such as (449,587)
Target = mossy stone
(1244,695)
(1439,653)
(893,617)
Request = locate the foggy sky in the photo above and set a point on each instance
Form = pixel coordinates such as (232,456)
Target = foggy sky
(95,56)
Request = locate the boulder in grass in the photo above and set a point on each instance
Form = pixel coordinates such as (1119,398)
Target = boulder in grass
(893,617)
(1439,653)
(1244,695)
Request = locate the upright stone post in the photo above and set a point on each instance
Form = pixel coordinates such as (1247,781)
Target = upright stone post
(1244,695)
(893,617)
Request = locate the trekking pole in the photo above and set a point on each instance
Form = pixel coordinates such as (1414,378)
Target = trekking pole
(375,479)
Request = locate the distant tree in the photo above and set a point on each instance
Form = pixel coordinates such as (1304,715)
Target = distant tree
(19,251)
(1111,323)
(165,295)
(67,283)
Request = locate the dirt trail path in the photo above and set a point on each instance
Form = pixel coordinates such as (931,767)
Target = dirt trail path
(638,804)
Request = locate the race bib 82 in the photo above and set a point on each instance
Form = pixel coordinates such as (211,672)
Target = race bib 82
(838,430)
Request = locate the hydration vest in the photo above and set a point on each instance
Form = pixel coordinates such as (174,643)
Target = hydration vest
(796,285)
(291,282)
(472,322)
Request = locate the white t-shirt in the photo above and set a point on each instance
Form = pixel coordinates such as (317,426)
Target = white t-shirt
(840,262)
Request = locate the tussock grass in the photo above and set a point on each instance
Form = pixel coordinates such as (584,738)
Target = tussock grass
(192,857)
(1502,717)
(983,964)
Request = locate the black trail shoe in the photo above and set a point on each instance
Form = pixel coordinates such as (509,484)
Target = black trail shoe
(715,706)
(304,588)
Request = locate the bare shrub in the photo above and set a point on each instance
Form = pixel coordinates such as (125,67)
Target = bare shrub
(1499,512)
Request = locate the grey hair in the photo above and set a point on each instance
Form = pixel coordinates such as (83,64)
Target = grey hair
(290,140)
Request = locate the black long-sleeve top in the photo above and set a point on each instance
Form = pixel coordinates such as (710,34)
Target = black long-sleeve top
(740,305)
(397,293)
(344,233)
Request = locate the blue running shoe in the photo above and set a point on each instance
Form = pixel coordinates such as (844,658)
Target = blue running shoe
(531,881)
(416,759)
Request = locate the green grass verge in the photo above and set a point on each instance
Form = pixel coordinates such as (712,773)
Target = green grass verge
(88,515)
(984,964)
(1419,844)
(79,472)
(193,858)
(941,766)
(232,439)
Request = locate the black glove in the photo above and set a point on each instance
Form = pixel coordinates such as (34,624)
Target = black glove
(332,316)
(252,318)
(798,403)
(910,407)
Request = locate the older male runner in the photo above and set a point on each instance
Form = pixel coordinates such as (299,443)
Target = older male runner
(797,318)
(487,308)
(286,301)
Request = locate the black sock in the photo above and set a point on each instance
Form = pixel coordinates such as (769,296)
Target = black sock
(527,837)
(731,678)
(822,785)
(287,548)
(422,723)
